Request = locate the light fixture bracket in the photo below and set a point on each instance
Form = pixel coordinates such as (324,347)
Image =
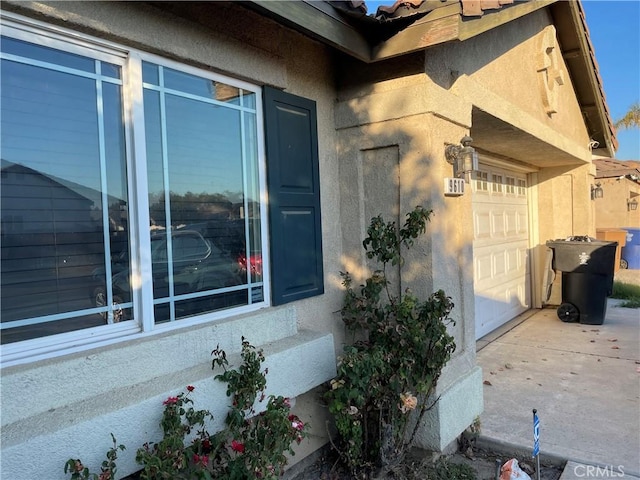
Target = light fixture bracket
(463,157)
(597,191)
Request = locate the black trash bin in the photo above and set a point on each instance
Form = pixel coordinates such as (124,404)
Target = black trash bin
(587,267)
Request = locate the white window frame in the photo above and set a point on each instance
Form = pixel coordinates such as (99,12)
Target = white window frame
(497,185)
(143,323)
(482,181)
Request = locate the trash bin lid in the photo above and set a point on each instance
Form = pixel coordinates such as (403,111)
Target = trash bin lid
(580,256)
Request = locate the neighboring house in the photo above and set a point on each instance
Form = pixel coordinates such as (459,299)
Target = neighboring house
(616,195)
(620,184)
(314,117)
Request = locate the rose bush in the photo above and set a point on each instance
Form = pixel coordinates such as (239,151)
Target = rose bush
(253,445)
(386,379)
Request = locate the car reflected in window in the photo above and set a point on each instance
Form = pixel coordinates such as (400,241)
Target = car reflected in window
(197,266)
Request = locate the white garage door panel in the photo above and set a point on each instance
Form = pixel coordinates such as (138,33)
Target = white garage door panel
(499,264)
(493,224)
(483,267)
(481,224)
(494,268)
(499,305)
(500,248)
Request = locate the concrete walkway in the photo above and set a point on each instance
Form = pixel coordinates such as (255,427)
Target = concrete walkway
(584,381)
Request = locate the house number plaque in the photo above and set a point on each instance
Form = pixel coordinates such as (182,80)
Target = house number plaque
(454,187)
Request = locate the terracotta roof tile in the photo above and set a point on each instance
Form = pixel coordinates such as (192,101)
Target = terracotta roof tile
(400,3)
(408,8)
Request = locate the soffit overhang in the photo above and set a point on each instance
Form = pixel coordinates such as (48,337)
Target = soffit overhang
(415,25)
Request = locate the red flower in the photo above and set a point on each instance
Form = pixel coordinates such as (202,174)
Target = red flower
(206,445)
(203,460)
(237,446)
(191,388)
(170,401)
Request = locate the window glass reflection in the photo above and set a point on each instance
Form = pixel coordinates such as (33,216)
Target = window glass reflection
(201,87)
(59,225)
(200,192)
(45,54)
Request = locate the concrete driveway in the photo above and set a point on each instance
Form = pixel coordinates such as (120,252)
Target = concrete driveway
(584,381)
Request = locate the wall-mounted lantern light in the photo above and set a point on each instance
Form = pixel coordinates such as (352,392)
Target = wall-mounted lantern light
(464,158)
(632,204)
(596,191)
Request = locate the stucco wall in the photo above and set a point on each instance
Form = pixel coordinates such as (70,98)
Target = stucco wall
(67,406)
(611,209)
(431,105)
(499,72)
(411,119)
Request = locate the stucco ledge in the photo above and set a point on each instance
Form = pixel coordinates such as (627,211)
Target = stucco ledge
(296,365)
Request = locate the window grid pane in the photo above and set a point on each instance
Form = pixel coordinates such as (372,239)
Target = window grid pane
(497,183)
(66,238)
(481,181)
(54,138)
(205,197)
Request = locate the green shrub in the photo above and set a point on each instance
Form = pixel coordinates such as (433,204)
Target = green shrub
(392,372)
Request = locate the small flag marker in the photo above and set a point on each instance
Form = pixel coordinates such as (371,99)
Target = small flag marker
(536,441)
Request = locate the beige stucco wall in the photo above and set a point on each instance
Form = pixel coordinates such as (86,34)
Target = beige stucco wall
(67,406)
(414,116)
(611,209)
(498,73)
(405,124)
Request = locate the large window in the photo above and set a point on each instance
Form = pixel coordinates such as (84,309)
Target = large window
(97,240)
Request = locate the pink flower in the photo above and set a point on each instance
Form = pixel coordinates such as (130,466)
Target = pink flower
(170,401)
(408,402)
(297,424)
(237,446)
(202,460)
(191,388)
(287,402)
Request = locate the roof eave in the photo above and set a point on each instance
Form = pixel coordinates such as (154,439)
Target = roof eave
(451,22)
(583,68)
(320,20)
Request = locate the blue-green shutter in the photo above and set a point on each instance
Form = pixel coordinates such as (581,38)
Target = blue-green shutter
(293,184)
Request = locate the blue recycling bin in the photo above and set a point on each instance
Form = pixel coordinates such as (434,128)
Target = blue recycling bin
(587,267)
(630,255)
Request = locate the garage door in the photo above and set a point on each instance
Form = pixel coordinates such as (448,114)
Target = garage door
(500,247)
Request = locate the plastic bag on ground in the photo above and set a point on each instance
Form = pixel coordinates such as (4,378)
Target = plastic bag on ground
(512,471)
